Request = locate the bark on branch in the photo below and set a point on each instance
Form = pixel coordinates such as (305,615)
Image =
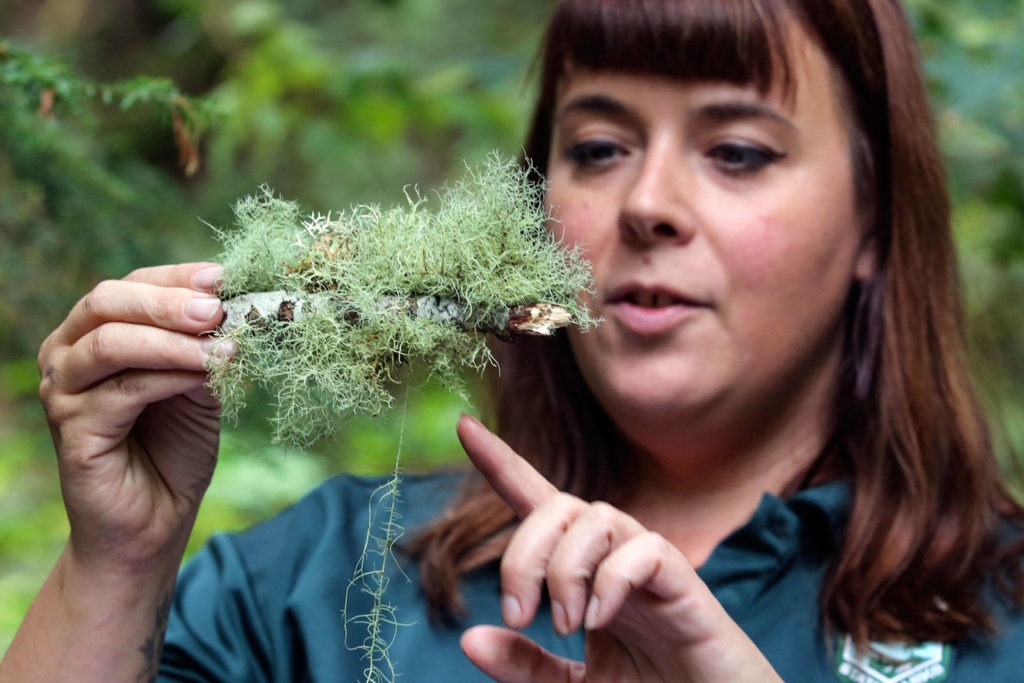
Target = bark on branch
(538,319)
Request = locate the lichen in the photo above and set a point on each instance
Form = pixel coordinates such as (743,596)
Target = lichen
(372,577)
(482,240)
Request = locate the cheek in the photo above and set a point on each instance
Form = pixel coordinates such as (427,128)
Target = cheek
(757,247)
(767,261)
(795,252)
(789,273)
(574,220)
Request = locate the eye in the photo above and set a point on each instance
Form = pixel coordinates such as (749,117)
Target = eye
(592,154)
(738,159)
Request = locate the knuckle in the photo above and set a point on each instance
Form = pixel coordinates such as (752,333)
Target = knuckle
(100,343)
(136,275)
(170,307)
(92,303)
(88,302)
(566,573)
(43,357)
(105,288)
(567,499)
(566,505)
(656,542)
(603,511)
(46,393)
(48,385)
(58,410)
(567,510)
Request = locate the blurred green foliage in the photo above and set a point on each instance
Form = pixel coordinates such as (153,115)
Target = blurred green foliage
(974,57)
(334,103)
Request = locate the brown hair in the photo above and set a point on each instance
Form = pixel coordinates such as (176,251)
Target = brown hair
(928,505)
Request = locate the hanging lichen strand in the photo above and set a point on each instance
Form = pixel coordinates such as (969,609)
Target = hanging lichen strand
(325,309)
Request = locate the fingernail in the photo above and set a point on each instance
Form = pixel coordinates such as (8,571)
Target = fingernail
(510,610)
(559,619)
(202,309)
(472,419)
(219,347)
(590,620)
(207,278)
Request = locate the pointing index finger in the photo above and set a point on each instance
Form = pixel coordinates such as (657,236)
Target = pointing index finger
(514,479)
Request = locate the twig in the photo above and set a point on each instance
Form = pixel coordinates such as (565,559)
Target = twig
(537,319)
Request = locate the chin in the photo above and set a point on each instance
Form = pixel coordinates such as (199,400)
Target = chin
(655,399)
(656,388)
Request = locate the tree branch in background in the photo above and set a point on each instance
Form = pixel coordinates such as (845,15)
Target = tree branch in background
(54,87)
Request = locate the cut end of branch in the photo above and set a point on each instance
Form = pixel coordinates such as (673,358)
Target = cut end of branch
(539,320)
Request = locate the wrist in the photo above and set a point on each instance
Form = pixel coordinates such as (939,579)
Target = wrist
(98,599)
(89,624)
(126,556)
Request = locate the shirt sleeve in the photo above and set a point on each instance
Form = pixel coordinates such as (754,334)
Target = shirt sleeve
(215,630)
(269,603)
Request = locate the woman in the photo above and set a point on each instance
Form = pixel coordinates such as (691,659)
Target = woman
(778,398)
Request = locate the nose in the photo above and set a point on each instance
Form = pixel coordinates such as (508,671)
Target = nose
(654,210)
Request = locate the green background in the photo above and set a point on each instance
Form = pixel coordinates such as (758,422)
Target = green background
(331,103)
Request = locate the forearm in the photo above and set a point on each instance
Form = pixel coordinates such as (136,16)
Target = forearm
(86,625)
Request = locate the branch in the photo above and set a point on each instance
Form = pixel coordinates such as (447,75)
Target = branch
(281,306)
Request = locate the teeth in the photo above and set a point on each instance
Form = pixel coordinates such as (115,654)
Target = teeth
(649,300)
(645,299)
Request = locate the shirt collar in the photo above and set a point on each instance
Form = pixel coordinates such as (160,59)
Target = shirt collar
(809,524)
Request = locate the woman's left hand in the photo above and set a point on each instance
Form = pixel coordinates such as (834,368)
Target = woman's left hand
(647,615)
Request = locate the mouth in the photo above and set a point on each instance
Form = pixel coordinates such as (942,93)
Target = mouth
(650,297)
(651,311)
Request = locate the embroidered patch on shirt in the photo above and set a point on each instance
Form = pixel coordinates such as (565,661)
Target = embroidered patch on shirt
(893,662)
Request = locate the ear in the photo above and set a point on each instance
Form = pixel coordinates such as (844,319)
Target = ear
(866,264)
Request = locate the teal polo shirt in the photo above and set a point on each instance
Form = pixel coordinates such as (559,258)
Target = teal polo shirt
(268,604)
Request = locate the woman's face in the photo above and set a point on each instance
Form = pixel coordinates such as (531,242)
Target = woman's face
(724,238)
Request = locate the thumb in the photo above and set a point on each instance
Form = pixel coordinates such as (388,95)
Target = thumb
(510,657)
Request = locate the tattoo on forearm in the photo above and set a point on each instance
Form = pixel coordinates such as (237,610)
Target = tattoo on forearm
(154,645)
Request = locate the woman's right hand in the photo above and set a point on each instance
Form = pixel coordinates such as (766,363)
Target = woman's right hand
(135,428)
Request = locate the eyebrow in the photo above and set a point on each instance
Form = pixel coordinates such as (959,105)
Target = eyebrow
(600,104)
(719,112)
(723,112)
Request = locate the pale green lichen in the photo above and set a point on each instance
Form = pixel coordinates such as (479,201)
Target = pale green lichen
(484,243)
(379,625)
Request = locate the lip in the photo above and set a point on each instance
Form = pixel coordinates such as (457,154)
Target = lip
(648,321)
(632,289)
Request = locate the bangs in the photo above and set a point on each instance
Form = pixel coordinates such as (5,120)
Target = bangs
(735,41)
